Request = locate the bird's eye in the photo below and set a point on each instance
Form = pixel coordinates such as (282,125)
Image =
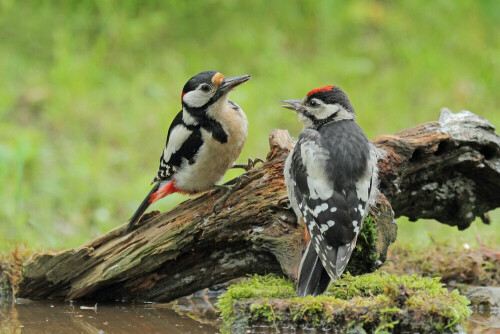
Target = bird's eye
(205,88)
(313,103)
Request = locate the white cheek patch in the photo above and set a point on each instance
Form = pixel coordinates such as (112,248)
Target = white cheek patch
(344,114)
(196,98)
(325,111)
(177,137)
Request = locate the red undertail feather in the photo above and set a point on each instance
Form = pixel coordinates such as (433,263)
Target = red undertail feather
(167,189)
(306,234)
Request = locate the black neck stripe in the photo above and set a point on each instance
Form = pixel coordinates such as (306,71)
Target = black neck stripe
(320,122)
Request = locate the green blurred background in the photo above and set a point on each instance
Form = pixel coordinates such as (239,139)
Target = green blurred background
(89,88)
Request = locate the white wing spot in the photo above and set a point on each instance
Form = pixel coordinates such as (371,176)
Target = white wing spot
(360,208)
(355,223)
(318,209)
(330,223)
(333,209)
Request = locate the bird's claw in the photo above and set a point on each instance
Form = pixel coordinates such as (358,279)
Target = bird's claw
(284,202)
(249,165)
(229,188)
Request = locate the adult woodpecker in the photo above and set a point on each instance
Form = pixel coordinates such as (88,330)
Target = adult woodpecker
(331,179)
(203,141)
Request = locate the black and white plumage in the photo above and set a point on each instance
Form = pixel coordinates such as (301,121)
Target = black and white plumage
(331,179)
(203,141)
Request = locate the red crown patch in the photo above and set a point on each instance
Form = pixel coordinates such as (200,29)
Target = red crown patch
(321,89)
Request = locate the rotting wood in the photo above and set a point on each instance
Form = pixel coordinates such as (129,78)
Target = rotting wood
(448,170)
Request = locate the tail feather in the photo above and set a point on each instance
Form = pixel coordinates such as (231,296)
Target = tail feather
(313,278)
(142,208)
(323,283)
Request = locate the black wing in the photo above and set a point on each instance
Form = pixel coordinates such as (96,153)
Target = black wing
(183,142)
(333,216)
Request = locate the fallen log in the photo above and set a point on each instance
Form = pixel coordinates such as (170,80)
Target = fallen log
(447,170)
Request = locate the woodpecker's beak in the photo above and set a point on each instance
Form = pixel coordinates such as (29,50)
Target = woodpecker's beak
(230,83)
(295,105)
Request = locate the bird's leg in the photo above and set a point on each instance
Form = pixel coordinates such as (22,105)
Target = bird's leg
(228,190)
(250,165)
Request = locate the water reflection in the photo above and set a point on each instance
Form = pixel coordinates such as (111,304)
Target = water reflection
(55,317)
(485,322)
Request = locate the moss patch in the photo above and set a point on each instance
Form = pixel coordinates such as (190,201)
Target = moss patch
(375,302)
(365,255)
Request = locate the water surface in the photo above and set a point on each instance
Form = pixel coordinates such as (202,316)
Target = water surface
(25,316)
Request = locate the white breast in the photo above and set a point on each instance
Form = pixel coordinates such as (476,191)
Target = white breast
(215,158)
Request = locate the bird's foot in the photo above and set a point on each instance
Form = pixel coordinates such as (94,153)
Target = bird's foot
(250,165)
(284,202)
(229,189)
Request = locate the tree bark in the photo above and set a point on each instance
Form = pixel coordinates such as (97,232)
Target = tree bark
(447,170)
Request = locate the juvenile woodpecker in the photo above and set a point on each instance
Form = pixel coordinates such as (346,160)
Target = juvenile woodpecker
(203,141)
(331,179)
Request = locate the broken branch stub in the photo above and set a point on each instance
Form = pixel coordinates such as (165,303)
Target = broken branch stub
(447,170)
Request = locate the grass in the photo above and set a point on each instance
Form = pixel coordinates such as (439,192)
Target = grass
(89,88)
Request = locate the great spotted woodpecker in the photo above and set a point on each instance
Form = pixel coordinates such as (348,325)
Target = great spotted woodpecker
(331,179)
(203,141)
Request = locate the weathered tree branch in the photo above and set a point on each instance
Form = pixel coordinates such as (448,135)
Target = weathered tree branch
(447,170)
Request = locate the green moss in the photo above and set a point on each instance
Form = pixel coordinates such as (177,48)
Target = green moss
(376,302)
(365,255)
(257,287)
